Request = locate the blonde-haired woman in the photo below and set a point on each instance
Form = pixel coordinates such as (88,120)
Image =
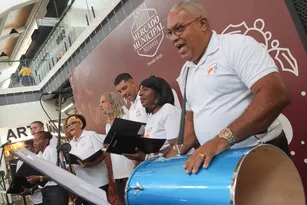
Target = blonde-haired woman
(112,107)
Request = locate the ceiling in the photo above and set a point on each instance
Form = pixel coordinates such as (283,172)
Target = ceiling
(15,19)
(19,15)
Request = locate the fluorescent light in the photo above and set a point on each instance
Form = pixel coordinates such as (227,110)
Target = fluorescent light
(14,33)
(67,107)
(3,56)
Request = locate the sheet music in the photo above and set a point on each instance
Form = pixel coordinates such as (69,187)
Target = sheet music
(64,178)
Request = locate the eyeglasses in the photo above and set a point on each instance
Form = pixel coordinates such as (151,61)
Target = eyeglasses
(71,124)
(179,29)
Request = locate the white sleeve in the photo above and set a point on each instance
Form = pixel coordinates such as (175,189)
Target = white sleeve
(250,60)
(176,99)
(52,155)
(96,141)
(172,124)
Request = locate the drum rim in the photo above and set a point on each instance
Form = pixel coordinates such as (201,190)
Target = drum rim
(238,167)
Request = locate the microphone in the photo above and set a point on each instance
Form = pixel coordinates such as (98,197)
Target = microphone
(60,91)
(66,147)
(7,143)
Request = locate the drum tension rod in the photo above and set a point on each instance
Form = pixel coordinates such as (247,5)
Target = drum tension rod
(137,188)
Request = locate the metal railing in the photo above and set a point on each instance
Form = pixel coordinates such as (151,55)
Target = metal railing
(77,16)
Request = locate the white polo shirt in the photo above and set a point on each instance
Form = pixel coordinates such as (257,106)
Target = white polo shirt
(218,87)
(50,155)
(164,124)
(137,112)
(121,166)
(86,146)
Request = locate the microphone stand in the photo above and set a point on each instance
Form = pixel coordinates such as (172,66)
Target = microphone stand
(58,147)
(65,148)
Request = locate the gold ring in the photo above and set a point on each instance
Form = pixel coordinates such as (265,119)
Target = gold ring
(202,155)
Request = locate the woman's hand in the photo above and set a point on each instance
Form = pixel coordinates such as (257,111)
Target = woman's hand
(84,164)
(25,191)
(33,179)
(139,155)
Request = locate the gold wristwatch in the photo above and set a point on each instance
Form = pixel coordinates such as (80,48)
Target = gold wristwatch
(227,134)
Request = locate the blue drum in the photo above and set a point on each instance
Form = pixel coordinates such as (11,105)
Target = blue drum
(263,175)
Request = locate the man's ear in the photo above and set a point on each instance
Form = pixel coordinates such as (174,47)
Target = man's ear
(204,24)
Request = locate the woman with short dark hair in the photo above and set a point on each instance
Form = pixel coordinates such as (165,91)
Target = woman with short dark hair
(164,118)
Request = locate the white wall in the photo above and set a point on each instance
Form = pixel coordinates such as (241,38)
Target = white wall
(25,113)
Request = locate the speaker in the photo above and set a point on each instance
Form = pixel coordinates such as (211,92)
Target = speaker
(298,11)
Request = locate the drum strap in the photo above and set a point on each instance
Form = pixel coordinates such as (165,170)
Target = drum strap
(183,112)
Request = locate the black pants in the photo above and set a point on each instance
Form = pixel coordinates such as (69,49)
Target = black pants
(54,195)
(281,142)
(80,201)
(121,185)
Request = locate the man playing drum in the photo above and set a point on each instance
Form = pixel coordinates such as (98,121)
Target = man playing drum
(234,92)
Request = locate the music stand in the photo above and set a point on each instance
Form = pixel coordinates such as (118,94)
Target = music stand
(64,178)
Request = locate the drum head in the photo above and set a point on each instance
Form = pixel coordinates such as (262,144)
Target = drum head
(267,176)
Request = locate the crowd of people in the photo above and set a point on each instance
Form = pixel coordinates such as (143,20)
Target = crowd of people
(233,94)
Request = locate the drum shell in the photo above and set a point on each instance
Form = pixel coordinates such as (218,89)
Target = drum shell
(164,181)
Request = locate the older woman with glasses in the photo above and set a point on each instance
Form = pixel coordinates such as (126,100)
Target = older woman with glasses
(84,144)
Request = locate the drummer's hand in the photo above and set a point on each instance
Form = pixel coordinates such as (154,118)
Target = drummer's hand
(204,154)
(139,155)
(33,179)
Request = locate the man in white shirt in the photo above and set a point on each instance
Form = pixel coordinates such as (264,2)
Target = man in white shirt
(122,167)
(36,127)
(129,90)
(234,91)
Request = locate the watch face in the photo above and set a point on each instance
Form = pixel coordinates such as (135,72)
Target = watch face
(225,133)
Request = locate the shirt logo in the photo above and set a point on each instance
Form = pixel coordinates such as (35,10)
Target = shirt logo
(138,112)
(212,68)
(147,133)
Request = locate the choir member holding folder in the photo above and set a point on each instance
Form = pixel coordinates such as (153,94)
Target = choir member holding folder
(34,192)
(164,118)
(122,167)
(53,194)
(86,146)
